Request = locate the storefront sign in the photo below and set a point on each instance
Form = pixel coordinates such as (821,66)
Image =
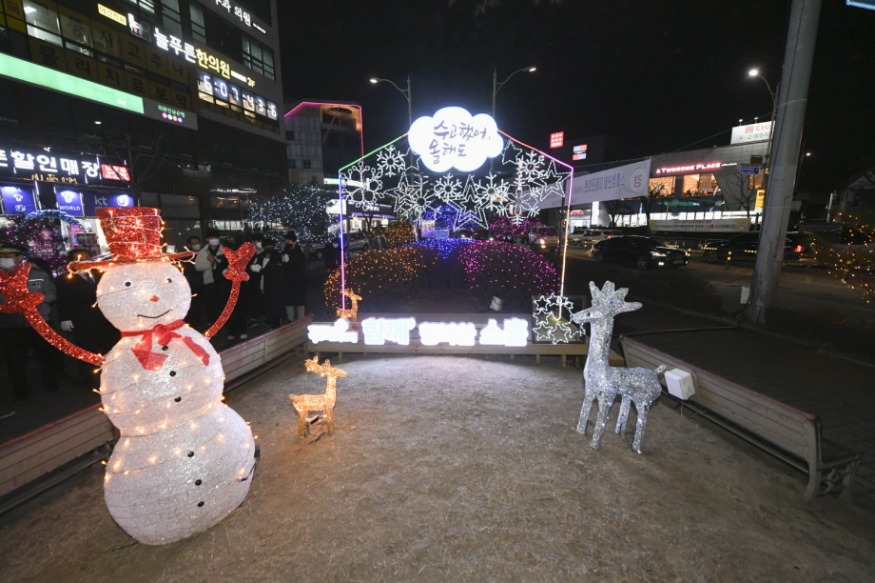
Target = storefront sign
(96,200)
(70,201)
(47,166)
(241,14)
(694,168)
(45,77)
(17,200)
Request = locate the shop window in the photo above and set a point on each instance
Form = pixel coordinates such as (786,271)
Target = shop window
(258,57)
(147,6)
(75,28)
(171,18)
(42,22)
(198,28)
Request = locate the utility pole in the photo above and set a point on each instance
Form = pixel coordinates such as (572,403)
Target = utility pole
(792,100)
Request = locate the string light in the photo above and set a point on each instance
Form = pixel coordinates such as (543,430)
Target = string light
(853,265)
(484,268)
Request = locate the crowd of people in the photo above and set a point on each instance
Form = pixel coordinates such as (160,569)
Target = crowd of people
(275,294)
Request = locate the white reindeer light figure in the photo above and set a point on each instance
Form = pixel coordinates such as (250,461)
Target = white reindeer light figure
(306,404)
(603,382)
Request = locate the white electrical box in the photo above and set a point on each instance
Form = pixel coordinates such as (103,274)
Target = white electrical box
(679,383)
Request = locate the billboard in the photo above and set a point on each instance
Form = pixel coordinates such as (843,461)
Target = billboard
(753,132)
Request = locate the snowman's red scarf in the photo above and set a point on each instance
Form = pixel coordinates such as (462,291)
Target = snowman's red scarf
(163,333)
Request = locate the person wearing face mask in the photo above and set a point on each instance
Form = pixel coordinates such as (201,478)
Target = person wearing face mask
(295,273)
(195,317)
(213,264)
(254,292)
(82,319)
(18,339)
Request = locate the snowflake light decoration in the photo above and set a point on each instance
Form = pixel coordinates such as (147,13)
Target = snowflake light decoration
(513,186)
(391,160)
(364,185)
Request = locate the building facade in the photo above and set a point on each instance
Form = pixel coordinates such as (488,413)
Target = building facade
(166,103)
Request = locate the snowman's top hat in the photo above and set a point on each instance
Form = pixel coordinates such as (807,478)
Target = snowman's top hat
(133,235)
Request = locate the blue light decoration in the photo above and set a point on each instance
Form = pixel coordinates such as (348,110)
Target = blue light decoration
(51,215)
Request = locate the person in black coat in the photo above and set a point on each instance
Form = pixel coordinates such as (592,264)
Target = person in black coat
(82,319)
(295,275)
(269,266)
(195,317)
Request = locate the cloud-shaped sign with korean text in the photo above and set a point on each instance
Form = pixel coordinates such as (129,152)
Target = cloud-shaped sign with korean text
(453,138)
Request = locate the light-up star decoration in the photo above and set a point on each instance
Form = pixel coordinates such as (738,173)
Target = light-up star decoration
(442,168)
(551,316)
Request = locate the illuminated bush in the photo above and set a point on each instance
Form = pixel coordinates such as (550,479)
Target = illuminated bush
(472,268)
(508,271)
(378,275)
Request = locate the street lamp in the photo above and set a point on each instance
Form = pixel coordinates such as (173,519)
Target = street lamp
(774,94)
(405,92)
(496,86)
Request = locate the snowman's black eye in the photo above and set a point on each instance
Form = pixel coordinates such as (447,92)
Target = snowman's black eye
(169,280)
(128,284)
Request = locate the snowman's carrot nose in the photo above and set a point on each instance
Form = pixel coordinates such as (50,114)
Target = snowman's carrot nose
(154,299)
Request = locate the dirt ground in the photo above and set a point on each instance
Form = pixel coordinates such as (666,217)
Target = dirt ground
(462,469)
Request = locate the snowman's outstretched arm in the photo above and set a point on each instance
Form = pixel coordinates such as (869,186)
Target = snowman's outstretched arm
(13,287)
(236,272)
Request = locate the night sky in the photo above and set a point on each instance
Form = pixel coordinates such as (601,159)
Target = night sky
(654,76)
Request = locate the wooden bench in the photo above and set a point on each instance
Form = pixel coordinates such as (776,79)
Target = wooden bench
(785,432)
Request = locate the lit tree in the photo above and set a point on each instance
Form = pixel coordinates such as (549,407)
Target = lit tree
(299,207)
(854,263)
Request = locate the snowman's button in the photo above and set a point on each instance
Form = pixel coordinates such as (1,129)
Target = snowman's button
(199,504)
(173,373)
(198,482)
(191,454)
(178,399)
(165,348)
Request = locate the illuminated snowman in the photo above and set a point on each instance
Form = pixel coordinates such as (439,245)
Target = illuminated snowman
(184,459)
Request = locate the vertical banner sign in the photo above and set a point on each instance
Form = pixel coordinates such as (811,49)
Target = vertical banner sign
(18,200)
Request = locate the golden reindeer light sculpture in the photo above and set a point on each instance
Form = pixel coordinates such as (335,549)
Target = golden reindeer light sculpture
(324,403)
(352,312)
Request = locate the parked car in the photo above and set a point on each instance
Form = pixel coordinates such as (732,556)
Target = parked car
(744,247)
(643,252)
(357,242)
(591,235)
(544,238)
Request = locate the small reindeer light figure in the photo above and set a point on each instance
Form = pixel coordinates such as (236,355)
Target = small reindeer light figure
(352,312)
(324,403)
